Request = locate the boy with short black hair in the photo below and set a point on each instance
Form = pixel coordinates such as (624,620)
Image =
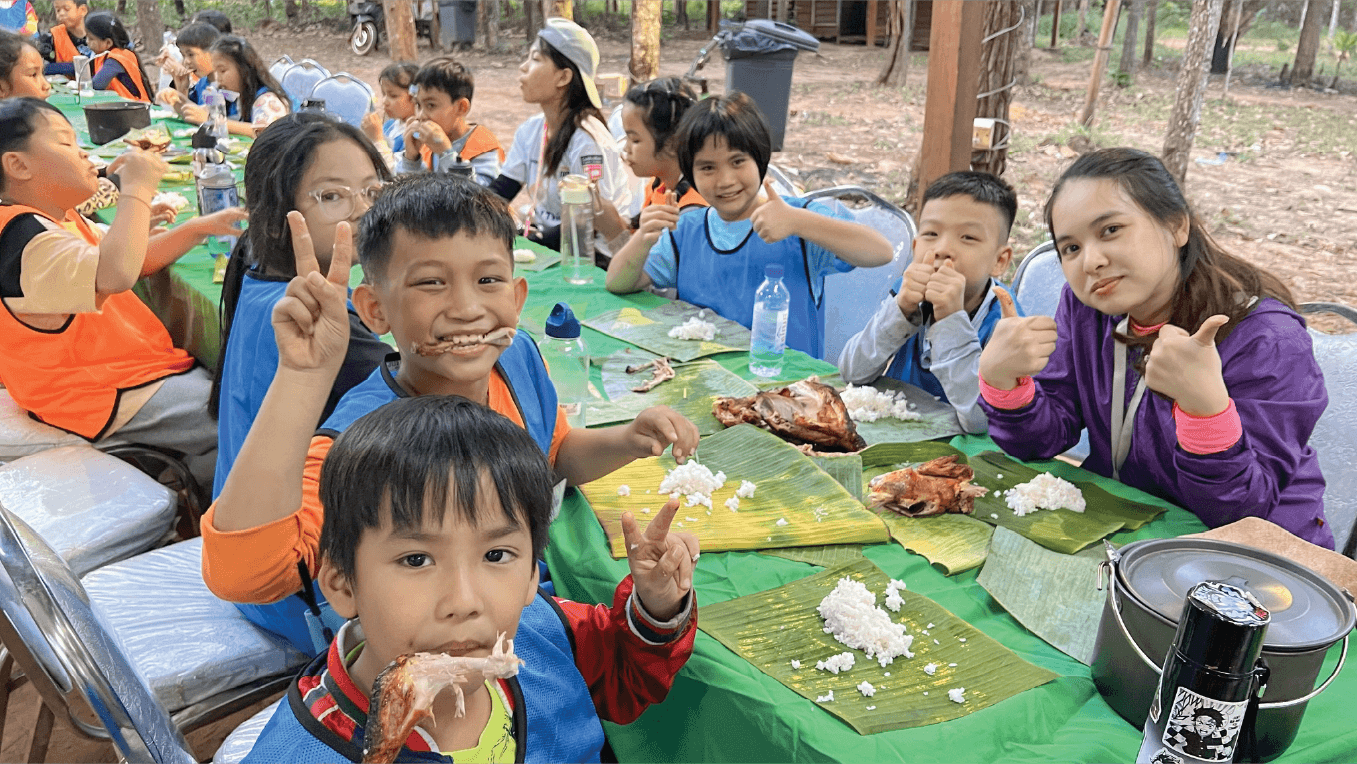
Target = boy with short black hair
(716,256)
(436,512)
(931,330)
(193,74)
(438,266)
(439,132)
(62,43)
(215,18)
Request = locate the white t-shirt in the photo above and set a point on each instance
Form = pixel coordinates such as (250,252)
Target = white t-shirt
(596,158)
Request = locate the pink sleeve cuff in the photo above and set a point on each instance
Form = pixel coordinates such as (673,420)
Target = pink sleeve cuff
(1207,434)
(1009,399)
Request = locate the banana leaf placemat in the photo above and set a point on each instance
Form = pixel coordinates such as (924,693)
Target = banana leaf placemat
(795,503)
(771,628)
(829,556)
(649,329)
(937,419)
(696,384)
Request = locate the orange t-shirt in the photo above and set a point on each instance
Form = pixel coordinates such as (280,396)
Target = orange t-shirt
(690,198)
(259,565)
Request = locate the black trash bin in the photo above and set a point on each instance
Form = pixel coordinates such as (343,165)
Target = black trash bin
(458,21)
(759,57)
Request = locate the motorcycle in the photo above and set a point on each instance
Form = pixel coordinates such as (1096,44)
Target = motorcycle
(369,27)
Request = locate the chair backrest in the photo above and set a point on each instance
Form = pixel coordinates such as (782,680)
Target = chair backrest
(1037,283)
(851,298)
(277,68)
(345,96)
(1335,435)
(783,182)
(62,646)
(300,79)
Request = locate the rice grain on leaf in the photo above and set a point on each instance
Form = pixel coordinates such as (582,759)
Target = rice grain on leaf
(691,392)
(649,329)
(818,510)
(989,671)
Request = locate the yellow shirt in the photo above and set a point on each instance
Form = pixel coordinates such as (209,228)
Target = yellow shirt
(497,739)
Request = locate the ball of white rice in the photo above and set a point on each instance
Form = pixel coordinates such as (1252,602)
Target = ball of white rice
(852,617)
(1045,491)
(867,404)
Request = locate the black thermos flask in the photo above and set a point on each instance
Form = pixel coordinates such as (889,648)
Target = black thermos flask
(1200,712)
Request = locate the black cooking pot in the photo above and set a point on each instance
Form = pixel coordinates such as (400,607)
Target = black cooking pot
(1149,580)
(112,120)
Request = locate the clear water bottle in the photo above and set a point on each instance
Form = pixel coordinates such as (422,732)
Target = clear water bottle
(577,230)
(216,187)
(567,359)
(769,328)
(215,102)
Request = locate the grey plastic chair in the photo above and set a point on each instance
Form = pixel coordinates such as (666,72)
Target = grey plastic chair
(300,79)
(1335,435)
(94,509)
(851,298)
(277,68)
(1038,281)
(133,641)
(345,96)
(237,745)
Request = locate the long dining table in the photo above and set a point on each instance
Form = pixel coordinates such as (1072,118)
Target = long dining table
(722,708)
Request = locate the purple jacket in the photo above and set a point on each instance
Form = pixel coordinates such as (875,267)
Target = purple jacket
(1277,387)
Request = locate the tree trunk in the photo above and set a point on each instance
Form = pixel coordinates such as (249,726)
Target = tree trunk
(183,12)
(1083,23)
(998,75)
(529,24)
(1333,18)
(492,19)
(399,17)
(122,7)
(149,27)
(1231,30)
(645,40)
(1095,79)
(290,9)
(1308,47)
(1187,104)
(681,13)
(1023,52)
(1234,40)
(1127,67)
(1352,25)
(896,71)
(1150,11)
(563,8)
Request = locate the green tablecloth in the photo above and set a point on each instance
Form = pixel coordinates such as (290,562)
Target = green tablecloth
(721,708)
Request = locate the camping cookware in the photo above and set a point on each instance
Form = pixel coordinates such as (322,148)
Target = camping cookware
(111,120)
(1149,581)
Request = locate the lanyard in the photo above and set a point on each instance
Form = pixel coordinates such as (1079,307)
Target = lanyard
(1123,415)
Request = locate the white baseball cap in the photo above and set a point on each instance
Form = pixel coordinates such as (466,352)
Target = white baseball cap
(573,42)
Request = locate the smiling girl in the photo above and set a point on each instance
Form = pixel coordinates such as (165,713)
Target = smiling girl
(1213,385)
(260,99)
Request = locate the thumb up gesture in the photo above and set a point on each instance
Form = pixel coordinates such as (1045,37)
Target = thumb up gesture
(775,219)
(1186,368)
(1020,347)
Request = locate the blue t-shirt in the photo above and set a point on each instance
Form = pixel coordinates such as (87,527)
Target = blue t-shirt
(394,130)
(662,267)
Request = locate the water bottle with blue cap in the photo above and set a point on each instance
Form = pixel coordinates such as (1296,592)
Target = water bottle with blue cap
(567,360)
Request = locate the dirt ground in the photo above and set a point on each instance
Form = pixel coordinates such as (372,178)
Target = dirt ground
(1285,197)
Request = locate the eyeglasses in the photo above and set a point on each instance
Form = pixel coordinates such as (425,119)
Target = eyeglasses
(336,203)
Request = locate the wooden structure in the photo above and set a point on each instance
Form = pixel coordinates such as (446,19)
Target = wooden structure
(953,79)
(845,21)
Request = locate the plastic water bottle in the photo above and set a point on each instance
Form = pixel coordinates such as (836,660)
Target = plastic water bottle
(567,359)
(577,230)
(216,187)
(215,102)
(769,329)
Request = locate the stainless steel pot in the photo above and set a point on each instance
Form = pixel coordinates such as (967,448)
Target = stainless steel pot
(1145,589)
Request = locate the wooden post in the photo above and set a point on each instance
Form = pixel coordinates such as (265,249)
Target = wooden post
(1150,11)
(400,29)
(1100,60)
(953,76)
(436,31)
(713,16)
(871,23)
(1055,26)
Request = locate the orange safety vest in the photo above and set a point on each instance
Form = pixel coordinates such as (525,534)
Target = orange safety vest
(690,197)
(63,45)
(72,377)
(132,66)
(478,141)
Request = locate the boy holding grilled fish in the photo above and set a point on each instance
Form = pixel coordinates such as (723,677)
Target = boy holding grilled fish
(438,266)
(436,511)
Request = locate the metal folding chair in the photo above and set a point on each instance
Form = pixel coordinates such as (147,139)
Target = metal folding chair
(130,642)
(1038,281)
(277,68)
(1335,435)
(345,96)
(300,79)
(850,299)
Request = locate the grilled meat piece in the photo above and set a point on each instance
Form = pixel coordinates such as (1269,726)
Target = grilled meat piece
(933,488)
(808,411)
